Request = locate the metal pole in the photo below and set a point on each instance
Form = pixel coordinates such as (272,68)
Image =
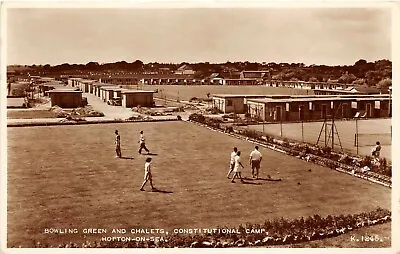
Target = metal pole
(333,127)
(357,134)
(390,99)
(326,133)
(302,131)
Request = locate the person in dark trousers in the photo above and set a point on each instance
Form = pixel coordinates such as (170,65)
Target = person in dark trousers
(376,151)
(255,160)
(232,161)
(237,169)
(147,175)
(142,143)
(117,144)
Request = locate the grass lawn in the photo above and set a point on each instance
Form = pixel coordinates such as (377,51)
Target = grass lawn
(67,177)
(346,130)
(30,114)
(200,91)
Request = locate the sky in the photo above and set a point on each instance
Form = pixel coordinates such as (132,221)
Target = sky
(330,36)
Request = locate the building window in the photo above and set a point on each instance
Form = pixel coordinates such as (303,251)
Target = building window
(229,103)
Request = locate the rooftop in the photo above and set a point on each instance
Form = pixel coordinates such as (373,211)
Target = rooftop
(65,90)
(269,100)
(238,95)
(15,102)
(136,91)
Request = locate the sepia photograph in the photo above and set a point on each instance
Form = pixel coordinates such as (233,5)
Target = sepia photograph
(197,126)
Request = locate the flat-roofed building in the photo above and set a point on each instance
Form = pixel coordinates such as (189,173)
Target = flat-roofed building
(111,92)
(17,102)
(241,82)
(73,81)
(134,98)
(232,103)
(65,98)
(44,87)
(348,90)
(303,108)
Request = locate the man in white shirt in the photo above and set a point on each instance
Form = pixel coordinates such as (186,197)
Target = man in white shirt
(255,161)
(232,161)
(142,142)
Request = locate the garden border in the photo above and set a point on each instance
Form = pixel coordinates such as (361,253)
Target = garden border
(30,124)
(340,167)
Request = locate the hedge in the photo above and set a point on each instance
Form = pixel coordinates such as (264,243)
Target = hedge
(279,231)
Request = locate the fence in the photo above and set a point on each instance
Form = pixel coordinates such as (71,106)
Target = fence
(369,139)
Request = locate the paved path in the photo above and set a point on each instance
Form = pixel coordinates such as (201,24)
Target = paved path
(110,112)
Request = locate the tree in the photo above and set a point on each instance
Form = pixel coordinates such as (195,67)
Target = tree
(92,65)
(360,82)
(384,83)
(347,78)
(360,62)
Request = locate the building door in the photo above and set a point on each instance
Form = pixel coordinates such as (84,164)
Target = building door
(324,111)
(369,110)
(301,112)
(344,110)
(278,113)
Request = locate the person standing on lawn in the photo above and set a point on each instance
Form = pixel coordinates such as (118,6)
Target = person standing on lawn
(232,162)
(117,144)
(142,143)
(255,161)
(147,175)
(237,169)
(376,151)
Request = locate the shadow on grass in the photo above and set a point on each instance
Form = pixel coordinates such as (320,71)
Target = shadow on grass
(127,158)
(161,191)
(246,182)
(270,179)
(151,154)
(263,179)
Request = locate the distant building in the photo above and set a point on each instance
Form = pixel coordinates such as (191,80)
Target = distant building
(254,74)
(185,70)
(65,98)
(232,103)
(134,98)
(44,87)
(306,108)
(348,90)
(16,102)
(216,79)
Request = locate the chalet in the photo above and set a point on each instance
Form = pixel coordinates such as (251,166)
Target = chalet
(134,98)
(306,108)
(232,103)
(65,98)
(185,70)
(216,79)
(254,74)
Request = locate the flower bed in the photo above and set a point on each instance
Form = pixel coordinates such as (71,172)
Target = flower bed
(272,232)
(363,167)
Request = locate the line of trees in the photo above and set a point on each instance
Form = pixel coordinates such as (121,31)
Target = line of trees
(378,73)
